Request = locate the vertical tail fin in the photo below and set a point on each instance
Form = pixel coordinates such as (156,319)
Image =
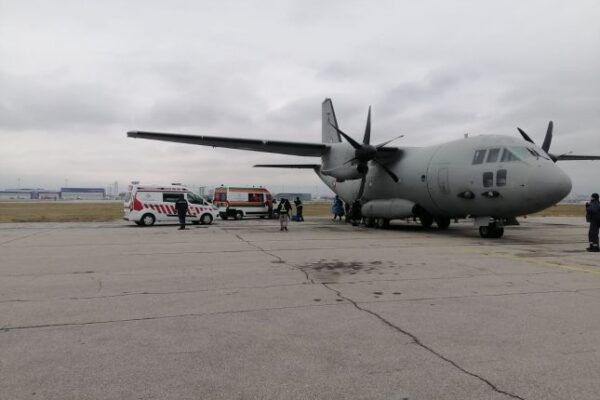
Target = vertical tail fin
(329,134)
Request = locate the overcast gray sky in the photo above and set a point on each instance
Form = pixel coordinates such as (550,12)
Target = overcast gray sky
(76,75)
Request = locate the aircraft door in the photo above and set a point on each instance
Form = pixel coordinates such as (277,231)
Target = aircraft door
(443,184)
(438,183)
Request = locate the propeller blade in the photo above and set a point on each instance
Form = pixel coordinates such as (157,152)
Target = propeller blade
(367,138)
(362,187)
(352,142)
(525,136)
(548,138)
(389,141)
(390,173)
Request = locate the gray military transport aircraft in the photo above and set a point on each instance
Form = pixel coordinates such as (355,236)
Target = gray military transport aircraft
(492,179)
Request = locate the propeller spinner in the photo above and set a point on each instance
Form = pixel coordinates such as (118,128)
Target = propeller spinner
(365,152)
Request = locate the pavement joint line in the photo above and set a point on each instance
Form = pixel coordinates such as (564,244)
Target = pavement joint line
(25,236)
(419,343)
(207,314)
(543,263)
(145,293)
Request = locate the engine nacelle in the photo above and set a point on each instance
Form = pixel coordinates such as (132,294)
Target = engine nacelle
(347,172)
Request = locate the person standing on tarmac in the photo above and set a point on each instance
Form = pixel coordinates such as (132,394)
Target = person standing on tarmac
(182,207)
(592,215)
(284,210)
(299,208)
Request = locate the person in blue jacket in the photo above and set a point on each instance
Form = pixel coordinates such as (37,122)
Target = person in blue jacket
(337,208)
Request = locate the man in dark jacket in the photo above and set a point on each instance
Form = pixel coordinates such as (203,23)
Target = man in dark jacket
(299,208)
(182,207)
(592,215)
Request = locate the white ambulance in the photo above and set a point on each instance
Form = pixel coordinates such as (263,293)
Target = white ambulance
(241,202)
(148,204)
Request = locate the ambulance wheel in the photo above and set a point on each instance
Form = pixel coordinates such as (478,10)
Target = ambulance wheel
(239,215)
(147,220)
(206,219)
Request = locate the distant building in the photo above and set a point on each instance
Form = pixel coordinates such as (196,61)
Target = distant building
(82,193)
(47,195)
(16,194)
(292,196)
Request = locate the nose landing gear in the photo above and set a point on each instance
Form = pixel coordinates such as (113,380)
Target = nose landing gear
(491,231)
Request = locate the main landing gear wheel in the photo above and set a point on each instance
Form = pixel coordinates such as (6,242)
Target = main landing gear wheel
(239,215)
(442,222)
(369,222)
(426,220)
(147,220)
(382,223)
(491,232)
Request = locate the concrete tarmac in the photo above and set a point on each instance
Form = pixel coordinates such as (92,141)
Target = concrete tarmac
(240,310)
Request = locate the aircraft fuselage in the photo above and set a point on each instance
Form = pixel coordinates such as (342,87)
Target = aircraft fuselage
(470,176)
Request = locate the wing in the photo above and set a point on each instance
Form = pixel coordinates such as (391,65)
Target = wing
(297,166)
(574,157)
(266,146)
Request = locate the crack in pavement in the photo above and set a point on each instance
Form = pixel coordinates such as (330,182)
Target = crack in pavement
(278,259)
(419,343)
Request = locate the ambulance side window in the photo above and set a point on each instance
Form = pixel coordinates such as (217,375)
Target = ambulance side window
(171,197)
(222,196)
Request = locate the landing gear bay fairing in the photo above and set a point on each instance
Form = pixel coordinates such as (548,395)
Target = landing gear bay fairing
(492,179)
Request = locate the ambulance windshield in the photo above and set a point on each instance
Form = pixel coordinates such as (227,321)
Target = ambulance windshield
(194,199)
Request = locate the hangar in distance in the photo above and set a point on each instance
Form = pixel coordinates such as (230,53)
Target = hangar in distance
(490,178)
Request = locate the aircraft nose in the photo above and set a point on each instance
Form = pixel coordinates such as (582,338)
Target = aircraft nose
(555,185)
(563,184)
(548,186)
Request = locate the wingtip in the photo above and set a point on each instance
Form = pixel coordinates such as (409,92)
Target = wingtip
(132,134)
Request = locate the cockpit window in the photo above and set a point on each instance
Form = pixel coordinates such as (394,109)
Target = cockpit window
(488,179)
(479,157)
(501,177)
(493,155)
(508,156)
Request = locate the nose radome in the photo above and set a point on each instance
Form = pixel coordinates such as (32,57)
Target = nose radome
(563,184)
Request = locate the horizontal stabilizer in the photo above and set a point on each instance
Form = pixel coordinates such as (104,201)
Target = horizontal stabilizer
(266,146)
(296,166)
(574,157)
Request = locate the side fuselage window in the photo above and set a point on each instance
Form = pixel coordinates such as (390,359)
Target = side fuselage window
(479,157)
(488,179)
(493,155)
